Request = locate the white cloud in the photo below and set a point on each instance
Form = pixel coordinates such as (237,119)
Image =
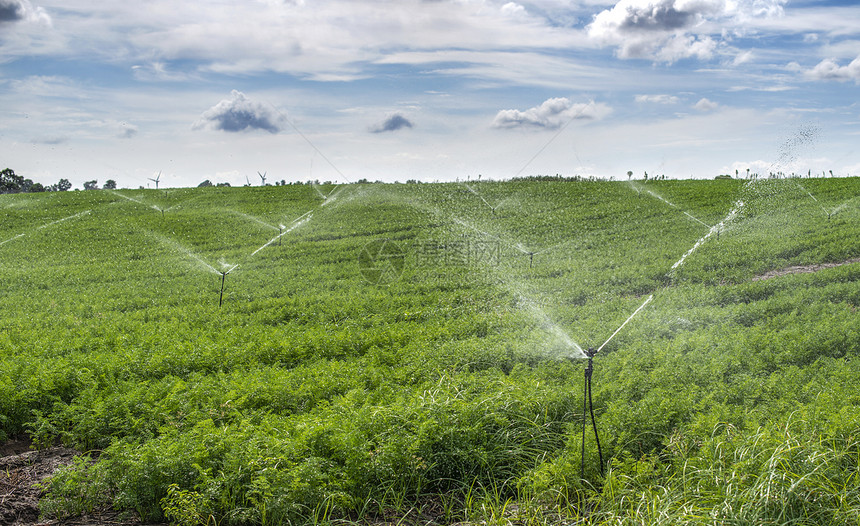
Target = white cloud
(670,30)
(657,99)
(829,69)
(22,11)
(551,114)
(743,57)
(158,71)
(513,9)
(313,40)
(239,113)
(706,105)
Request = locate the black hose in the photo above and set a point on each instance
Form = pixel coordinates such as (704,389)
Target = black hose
(594,425)
(584,408)
(588,406)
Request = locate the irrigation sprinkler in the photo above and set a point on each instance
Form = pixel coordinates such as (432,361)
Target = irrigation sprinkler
(223,279)
(587,405)
(263,177)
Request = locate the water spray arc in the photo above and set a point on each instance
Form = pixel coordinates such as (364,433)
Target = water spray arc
(46,225)
(655,195)
(716,229)
(481,197)
(138,201)
(13,238)
(283,230)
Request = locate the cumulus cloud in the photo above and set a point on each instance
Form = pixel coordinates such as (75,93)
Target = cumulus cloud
(513,9)
(393,123)
(670,30)
(706,105)
(22,10)
(829,69)
(239,113)
(551,114)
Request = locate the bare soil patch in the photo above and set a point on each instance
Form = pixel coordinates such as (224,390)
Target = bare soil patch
(802,269)
(21,471)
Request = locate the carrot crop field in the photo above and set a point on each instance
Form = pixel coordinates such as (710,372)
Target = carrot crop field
(415,353)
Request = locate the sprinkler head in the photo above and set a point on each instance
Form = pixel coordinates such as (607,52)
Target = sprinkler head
(590,352)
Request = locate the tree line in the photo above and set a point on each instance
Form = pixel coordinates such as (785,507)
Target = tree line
(12,183)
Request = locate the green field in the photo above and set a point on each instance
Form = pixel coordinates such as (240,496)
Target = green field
(432,382)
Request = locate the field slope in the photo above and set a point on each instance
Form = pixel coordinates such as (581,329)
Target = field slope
(412,352)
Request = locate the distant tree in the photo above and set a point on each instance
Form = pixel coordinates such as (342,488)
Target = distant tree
(205,184)
(10,183)
(91,185)
(63,185)
(110,184)
(223,184)
(629,174)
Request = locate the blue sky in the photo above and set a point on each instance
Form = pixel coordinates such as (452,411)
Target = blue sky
(426,89)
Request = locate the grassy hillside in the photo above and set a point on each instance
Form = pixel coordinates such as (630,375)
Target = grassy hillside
(437,376)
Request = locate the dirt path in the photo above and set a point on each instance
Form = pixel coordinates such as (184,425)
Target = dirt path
(802,269)
(21,470)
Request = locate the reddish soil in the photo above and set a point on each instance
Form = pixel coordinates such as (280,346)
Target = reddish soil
(802,269)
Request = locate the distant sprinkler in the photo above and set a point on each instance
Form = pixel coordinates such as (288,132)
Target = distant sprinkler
(263,177)
(531,258)
(280,232)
